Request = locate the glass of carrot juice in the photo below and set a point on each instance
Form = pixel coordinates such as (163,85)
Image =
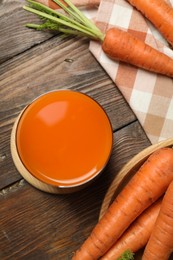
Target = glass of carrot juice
(61,141)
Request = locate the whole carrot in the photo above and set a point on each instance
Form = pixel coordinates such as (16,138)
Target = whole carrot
(137,235)
(160,244)
(147,185)
(159,13)
(123,46)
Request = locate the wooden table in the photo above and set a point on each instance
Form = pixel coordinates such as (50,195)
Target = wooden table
(34,224)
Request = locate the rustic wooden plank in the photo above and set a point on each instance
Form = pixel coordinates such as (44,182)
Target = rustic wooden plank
(57,63)
(37,225)
(15,37)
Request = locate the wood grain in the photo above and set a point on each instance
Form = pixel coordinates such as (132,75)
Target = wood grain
(46,68)
(15,37)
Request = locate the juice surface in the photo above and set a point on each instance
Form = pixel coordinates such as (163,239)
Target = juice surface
(64,138)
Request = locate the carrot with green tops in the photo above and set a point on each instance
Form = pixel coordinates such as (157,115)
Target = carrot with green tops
(160,13)
(144,188)
(116,43)
(137,235)
(160,244)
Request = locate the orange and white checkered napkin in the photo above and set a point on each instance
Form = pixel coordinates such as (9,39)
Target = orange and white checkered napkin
(149,95)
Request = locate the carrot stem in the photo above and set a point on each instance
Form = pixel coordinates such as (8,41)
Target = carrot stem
(127,255)
(74,22)
(83,18)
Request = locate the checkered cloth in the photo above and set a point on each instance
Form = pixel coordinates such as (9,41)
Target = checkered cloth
(149,95)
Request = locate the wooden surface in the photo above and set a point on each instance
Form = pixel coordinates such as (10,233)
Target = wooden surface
(34,224)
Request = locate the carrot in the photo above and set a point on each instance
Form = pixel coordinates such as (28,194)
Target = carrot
(123,46)
(144,188)
(78,3)
(117,44)
(160,244)
(137,235)
(159,13)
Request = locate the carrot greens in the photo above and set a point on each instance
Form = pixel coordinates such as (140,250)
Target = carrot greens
(127,255)
(72,21)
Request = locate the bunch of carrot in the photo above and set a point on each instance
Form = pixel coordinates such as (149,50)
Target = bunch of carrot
(116,43)
(141,214)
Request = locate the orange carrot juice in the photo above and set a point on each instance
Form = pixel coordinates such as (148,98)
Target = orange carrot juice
(64,138)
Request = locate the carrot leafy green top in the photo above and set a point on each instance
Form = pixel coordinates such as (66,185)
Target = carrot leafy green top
(72,21)
(127,255)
